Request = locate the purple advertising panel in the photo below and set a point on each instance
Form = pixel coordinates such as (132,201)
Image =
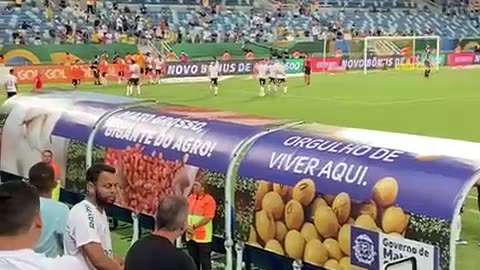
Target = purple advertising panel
(200,68)
(310,187)
(373,62)
(376,251)
(165,149)
(29,121)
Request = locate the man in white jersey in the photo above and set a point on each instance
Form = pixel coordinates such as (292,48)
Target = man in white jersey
(280,75)
(213,73)
(134,71)
(87,234)
(262,70)
(20,229)
(158,65)
(149,67)
(11,84)
(271,74)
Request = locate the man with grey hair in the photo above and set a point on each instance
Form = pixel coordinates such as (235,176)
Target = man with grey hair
(158,251)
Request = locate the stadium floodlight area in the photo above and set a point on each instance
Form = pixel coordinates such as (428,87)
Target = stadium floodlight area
(404,51)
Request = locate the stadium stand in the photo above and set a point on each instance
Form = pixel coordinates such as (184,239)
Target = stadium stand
(183,23)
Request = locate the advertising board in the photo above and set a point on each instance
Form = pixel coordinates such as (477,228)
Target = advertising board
(461,59)
(200,68)
(307,188)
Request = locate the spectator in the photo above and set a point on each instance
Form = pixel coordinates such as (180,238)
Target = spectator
(20,230)
(249,55)
(25,26)
(87,235)
(47,157)
(90,6)
(202,207)
(54,214)
(183,57)
(226,56)
(158,249)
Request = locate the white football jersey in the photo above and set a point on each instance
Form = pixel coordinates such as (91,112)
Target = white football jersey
(86,225)
(158,63)
(134,71)
(11,83)
(262,70)
(271,70)
(213,70)
(280,71)
(149,62)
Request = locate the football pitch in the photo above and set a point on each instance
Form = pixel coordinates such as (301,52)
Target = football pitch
(445,105)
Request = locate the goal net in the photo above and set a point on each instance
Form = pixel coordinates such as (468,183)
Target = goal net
(403,53)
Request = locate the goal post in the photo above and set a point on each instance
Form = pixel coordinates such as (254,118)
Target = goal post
(400,50)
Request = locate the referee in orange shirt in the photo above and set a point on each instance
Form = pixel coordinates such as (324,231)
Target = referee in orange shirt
(202,208)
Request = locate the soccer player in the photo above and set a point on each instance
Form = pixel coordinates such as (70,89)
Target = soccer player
(271,74)
(120,66)
(11,84)
(87,234)
(307,69)
(149,68)
(77,74)
(261,70)
(427,61)
(103,67)
(281,75)
(96,73)
(213,73)
(134,71)
(38,83)
(158,64)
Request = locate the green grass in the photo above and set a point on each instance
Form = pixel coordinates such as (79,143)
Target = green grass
(446,105)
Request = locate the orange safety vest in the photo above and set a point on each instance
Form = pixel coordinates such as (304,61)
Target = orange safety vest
(199,208)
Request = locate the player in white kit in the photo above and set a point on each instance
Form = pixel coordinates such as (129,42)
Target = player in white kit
(158,65)
(261,70)
(280,75)
(149,68)
(213,73)
(87,232)
(134,71)
(11,84)
(271,74)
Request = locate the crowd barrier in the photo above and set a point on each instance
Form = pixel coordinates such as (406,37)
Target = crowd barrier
(288,193)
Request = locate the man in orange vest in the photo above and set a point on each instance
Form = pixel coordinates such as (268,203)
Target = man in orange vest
(201,207)
(47,157)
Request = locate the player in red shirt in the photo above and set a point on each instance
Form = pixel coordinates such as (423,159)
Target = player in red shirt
(103,67)
(307,70)
(38,83)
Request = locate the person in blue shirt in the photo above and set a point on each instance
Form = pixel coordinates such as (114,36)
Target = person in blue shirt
(54,214)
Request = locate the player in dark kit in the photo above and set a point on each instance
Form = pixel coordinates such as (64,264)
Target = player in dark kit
(307,70)
(427,61)
(96,72)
